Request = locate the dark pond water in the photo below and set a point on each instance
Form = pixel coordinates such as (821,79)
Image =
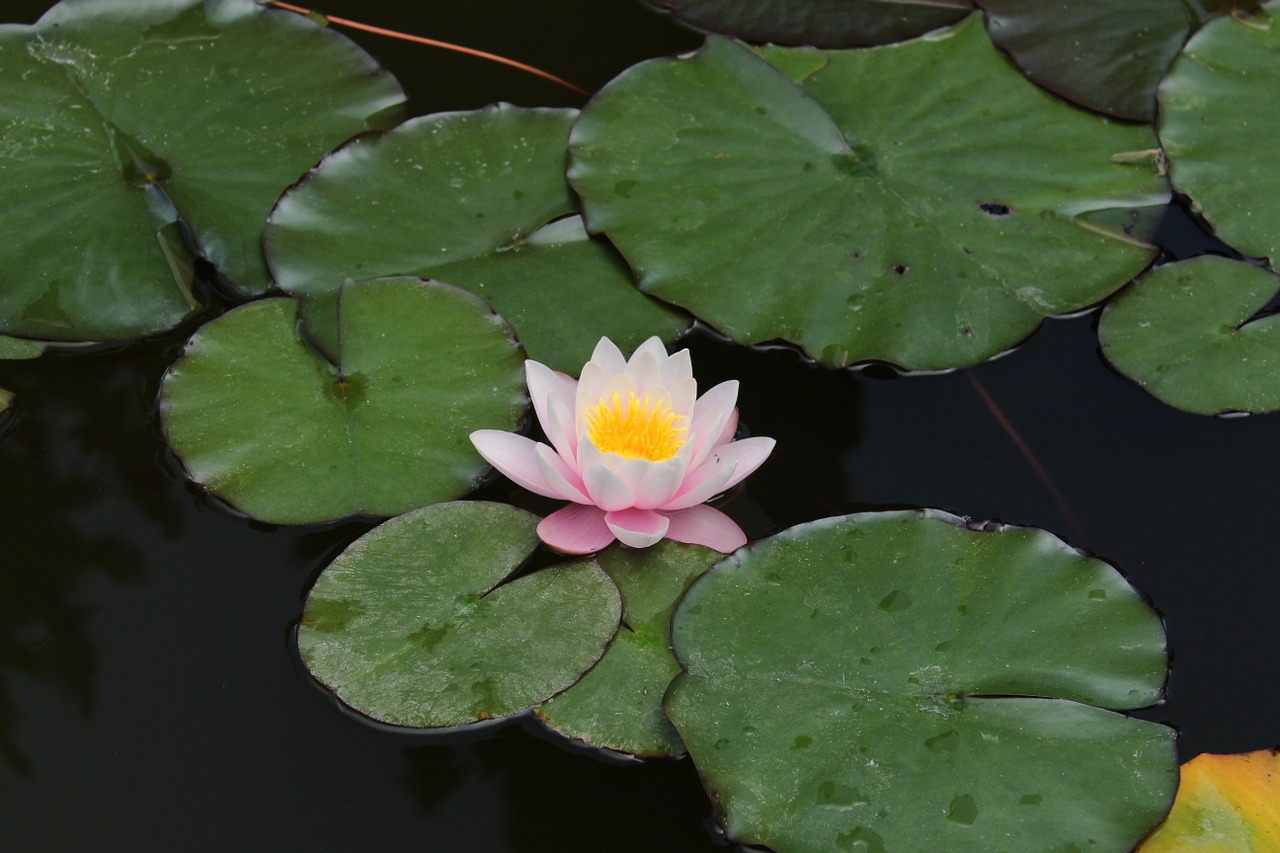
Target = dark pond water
(150,694)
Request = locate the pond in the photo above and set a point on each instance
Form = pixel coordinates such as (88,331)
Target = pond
(151,691)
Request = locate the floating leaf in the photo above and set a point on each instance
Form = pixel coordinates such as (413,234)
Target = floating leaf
(412,625)
(464,198)
(1107,55)
(932,224)
(618,704)
(1225,804)
(1218,125)
(119,118)
(18,349)
(1183,332)
(261,419)
(824,23)
(901,682)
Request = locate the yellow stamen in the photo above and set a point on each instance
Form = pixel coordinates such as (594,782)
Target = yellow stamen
(641,429)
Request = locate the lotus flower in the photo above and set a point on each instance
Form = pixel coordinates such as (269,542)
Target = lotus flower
(633,447)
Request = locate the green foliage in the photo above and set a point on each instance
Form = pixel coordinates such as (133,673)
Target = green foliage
(261,419)
(824,23)
(866,215)
(125,125)
(413,625)
(478,200)
(618,704)
(870,679)
(1218,125)
(1184,332)
(1107,55)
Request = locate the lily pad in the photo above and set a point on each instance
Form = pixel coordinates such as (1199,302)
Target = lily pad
(262,420)
(412,624)
(19,349)
(1184,333)
(16,349)
(618,704)
(476,199)
(1225,804)
(823,23)
(1108,55)
(900,681)
(885,211)
(1218,125)
(122,119)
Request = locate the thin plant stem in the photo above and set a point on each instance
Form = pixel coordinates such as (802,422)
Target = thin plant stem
(492,57)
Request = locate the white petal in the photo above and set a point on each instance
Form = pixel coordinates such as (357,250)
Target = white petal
(559,476)
(515,456)
(606,489)
(608,357)
(747,456)
(549,390)
(652,483)
(701,484)
(638,528)
(644,372)
(678,366)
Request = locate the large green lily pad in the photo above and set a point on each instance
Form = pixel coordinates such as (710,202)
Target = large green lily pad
(1184,333)
(1218,126)
(1108,55)
(465,198)
(261,419)
(412,624)
(823,23)
(898,681)
(121,118)
(618,704)
(920,204)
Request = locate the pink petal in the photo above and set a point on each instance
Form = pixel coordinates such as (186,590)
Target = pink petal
(710,414)
(515,456)
(560,433)
(748,454)
(575,529)
(559,476)
(638,528)
(550,391)
(729,429)
(653,483)
(704,525)
(701,484)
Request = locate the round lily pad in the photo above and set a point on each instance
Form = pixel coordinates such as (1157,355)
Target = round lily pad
(824,23)
(1108,55)
(1218,125)
(883,211)
(618,704)
(18,349)
(122,119)
(413,625)
(476,199)
(900,681)
(267,423)
(1184,332)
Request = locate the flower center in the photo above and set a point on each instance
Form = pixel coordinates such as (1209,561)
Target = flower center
(640,429)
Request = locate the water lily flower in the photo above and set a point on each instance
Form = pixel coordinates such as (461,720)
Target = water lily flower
(633,447)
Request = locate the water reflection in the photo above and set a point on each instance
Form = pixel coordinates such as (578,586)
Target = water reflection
(530,791)
(80,473)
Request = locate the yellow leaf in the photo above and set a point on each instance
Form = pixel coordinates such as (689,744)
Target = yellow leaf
(1225,804)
